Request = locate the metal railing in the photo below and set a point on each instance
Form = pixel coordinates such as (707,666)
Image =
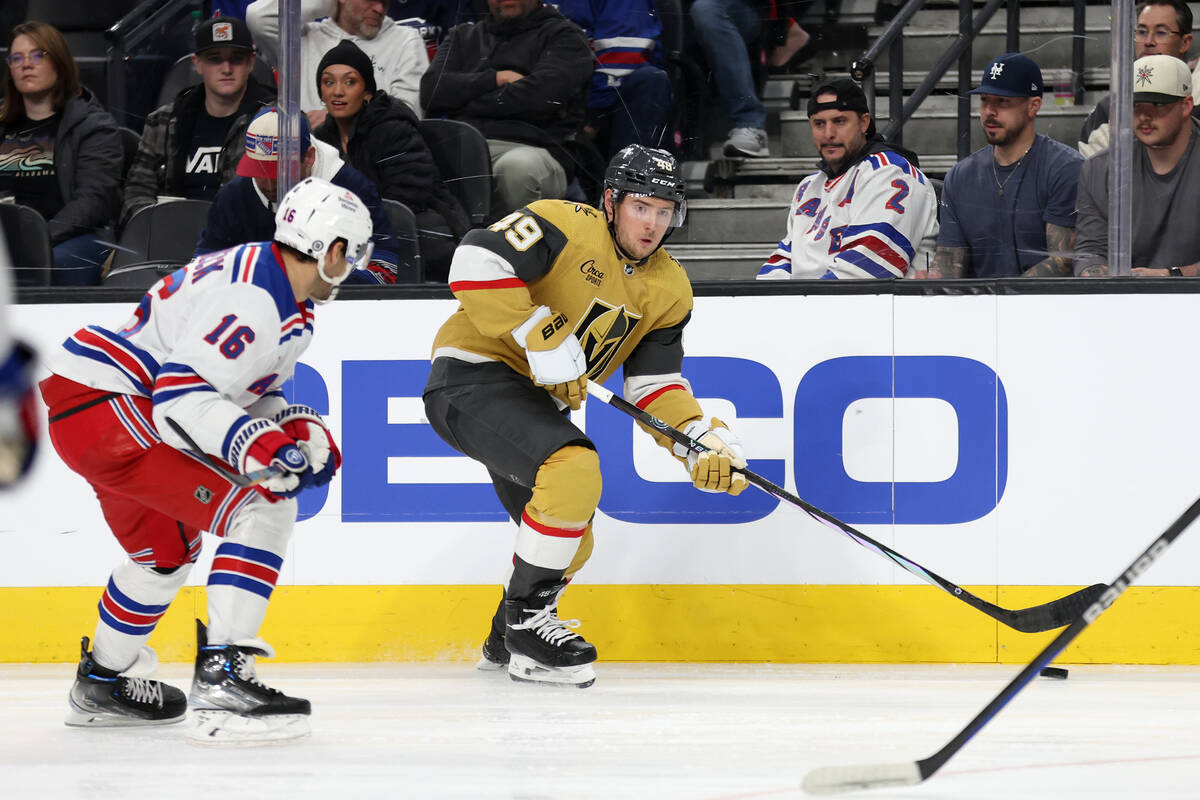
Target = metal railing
(147,19)
(970,26)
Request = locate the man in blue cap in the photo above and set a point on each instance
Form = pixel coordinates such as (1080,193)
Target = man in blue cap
(1008,209)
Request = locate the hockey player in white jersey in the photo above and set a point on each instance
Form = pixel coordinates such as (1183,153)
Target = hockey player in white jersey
(18,401)
(208,349)
(869,212)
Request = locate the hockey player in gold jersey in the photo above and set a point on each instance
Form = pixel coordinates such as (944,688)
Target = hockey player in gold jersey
(553,295)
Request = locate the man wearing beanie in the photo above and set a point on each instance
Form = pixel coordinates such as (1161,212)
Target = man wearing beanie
(1008,209)
(191,146)
(1166,172)
(521,77)
(869,212)
(397,52)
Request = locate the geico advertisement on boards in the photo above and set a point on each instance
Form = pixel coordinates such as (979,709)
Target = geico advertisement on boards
(1017,440)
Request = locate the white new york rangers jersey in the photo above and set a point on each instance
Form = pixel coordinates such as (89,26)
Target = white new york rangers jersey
(209,343)
(872,221)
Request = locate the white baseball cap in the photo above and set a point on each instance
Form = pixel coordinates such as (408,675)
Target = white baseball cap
(1160,79)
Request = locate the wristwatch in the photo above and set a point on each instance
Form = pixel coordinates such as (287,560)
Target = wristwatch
(1175,272)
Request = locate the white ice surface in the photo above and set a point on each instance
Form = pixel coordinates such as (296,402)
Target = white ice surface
(710,732)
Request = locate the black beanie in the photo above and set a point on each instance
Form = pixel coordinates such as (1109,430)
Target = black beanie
(348,53)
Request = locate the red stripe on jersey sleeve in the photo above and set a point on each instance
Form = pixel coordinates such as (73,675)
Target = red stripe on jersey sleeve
(470,286)
(650,398)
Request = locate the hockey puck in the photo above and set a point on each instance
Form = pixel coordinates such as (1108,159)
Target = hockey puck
(1058,673)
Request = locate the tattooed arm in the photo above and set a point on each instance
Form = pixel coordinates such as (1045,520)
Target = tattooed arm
(948,262)
(1059,243)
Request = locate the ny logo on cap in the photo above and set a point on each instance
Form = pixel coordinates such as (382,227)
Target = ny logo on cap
(222,32)
(996,70)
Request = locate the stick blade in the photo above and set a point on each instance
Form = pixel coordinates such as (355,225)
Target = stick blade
(852,778)
(1057,613)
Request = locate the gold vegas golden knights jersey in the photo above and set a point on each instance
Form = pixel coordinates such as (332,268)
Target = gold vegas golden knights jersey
(560,254)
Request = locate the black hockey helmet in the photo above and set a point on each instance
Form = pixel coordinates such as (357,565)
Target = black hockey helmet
(645,171)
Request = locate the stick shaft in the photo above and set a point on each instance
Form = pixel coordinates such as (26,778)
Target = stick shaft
(1048,616)
(1114,590)
(249,479)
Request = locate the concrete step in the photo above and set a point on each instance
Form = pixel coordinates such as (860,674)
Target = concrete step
(716,262)
(722,221)
(777,93)
(934,128)
(1046,33)
(747,178)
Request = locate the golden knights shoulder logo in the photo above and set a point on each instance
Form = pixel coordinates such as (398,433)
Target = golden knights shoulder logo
(602,331)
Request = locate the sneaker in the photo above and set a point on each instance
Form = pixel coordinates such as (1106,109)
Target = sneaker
(231,703)
(103,698)
(747,143)
(543,648)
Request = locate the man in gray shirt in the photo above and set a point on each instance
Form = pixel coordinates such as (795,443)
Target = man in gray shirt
(1166,179)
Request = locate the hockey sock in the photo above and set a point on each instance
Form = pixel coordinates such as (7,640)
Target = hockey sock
(134,600)
(565,494)
(246,568)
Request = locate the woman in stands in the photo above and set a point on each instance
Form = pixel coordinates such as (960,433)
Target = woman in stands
(378,135)
(60,151)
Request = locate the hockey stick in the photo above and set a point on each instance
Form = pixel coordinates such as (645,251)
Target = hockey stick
(833,780)
(249,479)
(1034,619)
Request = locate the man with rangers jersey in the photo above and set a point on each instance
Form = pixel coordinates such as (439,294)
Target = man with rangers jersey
(205,352)
(868,213)
(553,295)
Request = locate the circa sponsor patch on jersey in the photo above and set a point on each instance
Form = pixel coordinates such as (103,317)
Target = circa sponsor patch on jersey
(590,273)
(602,331)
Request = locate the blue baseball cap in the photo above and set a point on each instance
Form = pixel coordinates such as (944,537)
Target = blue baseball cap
(1011,75)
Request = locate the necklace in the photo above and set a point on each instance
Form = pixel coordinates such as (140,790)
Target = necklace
(996,174)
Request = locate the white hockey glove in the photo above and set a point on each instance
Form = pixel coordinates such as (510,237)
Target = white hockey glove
(556,360)
(305,425)
(260,443)
(712,471)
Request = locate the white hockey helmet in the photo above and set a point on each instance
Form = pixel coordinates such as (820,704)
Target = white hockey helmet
(314,214)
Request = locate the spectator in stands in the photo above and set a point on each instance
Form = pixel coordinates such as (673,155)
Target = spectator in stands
(1166,172)
(191,146)
(378,135)
(244,209)
(726,28)
(868,213)
(1164,27)
(630,100)
(1008,209)
(521,77)
(433,19)
(397,51)
(228,8)
(60,151)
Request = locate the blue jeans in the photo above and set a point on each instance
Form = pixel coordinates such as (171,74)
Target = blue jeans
(725,27)
(78,261)
(640,110)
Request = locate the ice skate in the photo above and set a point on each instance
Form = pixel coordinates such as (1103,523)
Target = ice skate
(230,704)
(103,698)
(542,647)
(494,654)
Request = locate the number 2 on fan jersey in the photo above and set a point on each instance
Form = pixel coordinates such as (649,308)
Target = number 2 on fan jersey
(522,230)
(234,343)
